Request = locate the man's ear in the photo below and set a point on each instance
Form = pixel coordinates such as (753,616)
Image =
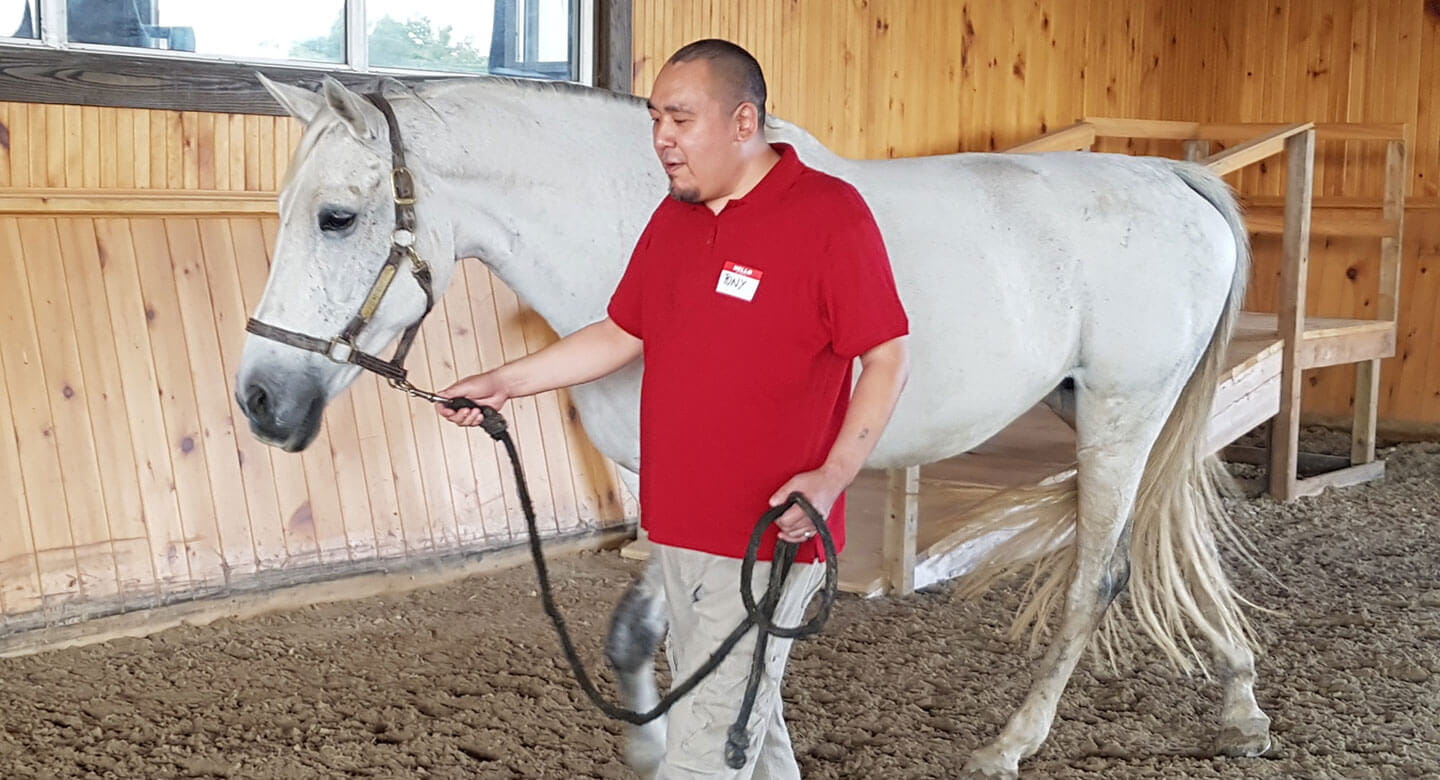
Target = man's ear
(747,121)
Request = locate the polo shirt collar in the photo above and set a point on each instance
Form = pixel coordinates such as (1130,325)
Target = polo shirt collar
(775,182)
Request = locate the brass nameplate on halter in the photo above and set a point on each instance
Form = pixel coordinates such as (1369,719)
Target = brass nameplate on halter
(372,301)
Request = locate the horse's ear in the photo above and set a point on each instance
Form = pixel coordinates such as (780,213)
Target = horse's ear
(300,102)
(363,119)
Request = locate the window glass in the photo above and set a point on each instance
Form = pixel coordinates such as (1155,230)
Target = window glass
(430,34)
(264,29)
(18,20)
(513,37)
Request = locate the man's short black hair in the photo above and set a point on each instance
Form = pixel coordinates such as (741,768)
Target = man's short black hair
(733,66)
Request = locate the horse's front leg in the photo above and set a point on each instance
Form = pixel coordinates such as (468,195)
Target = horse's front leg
(636,630)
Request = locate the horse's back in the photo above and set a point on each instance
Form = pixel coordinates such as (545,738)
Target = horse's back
(1018,270)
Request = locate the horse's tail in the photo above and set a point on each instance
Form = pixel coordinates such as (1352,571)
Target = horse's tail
(1177,583)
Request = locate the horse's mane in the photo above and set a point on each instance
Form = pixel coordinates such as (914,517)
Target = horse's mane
(526,84)
(397,91)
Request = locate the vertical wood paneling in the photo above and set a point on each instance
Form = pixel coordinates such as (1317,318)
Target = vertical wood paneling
(440,369)
(69,417)
(238,151)
(159,149)
(102,391)
(205,151)
(184,438)
(20,581)
(215,447)
(1425,143)
(436,446)
(139,162)
(19,578)
(524,413)
(1412,379)
(552,430)
(175,156)
(129,325)
(496,492)
(51,172)
(36,449)
(108,141)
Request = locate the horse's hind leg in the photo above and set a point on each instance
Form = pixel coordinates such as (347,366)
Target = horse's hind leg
(1114,437)
(1244,727)
(636,630)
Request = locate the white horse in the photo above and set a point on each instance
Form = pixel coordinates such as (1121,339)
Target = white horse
(1121,274)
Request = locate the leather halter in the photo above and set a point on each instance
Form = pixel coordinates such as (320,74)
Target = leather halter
(341,348)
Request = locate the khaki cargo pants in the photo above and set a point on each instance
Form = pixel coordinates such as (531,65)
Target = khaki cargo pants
(702,594)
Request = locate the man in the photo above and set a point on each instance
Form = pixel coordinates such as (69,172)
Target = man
(751,292)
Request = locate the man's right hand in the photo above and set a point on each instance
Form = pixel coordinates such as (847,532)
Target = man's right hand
(487,389)
(583,356)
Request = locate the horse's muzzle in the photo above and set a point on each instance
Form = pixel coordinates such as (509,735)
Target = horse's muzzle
(286,416)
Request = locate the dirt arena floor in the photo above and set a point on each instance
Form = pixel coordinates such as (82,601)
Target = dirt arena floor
(466,680)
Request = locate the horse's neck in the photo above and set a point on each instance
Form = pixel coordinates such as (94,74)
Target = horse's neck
(549,188)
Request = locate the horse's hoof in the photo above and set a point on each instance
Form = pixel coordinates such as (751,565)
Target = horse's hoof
(989,764)
(1247,739)
(636,630)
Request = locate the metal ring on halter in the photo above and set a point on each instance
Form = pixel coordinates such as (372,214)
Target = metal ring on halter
(340,350)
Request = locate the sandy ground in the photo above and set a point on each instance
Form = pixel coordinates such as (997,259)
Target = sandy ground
(466,680)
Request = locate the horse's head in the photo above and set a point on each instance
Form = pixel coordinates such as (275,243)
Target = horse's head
(337,229)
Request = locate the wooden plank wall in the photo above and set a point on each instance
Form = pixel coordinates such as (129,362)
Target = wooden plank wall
(914,77)
(127,477)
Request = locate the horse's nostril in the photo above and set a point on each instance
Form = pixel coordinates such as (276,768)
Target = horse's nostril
(256,400)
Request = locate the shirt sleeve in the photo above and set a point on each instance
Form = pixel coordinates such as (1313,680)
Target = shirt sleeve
(627,304)
(862,305)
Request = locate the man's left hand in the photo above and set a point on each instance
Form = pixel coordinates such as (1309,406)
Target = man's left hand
(822,487)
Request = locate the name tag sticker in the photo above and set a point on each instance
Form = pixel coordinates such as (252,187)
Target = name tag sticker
(739,281)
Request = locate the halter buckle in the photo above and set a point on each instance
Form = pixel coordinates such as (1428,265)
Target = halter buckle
(340,350)
(404,185)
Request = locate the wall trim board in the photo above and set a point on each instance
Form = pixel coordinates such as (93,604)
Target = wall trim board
(30,74)
(66,201)
(288,589)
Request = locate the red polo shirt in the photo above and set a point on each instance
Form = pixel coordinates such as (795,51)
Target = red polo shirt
(751,321)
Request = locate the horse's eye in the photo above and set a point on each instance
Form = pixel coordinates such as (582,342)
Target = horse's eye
(335,221)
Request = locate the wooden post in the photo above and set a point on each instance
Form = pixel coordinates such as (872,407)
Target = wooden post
(901,519)
(1284,434)
(1367,373)
(1197,149)
(614,61)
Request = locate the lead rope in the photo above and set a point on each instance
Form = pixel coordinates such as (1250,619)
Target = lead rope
(759,615)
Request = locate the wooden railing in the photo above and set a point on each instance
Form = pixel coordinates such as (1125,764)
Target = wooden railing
(1296,222)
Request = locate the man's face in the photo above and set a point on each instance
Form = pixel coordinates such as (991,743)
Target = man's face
(695,132)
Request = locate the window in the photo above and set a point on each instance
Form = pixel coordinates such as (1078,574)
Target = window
(21,15)
(534,38)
